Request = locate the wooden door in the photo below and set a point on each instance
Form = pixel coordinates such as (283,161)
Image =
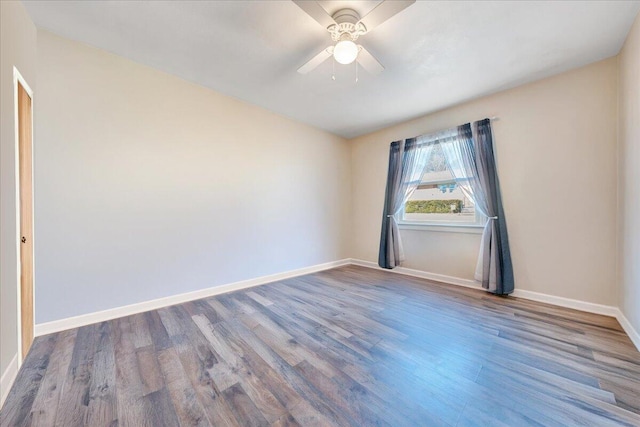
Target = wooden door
(25,148)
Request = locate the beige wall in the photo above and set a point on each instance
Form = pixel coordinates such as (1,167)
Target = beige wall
(556,152)
(149,186)
(629,176)
(17,48)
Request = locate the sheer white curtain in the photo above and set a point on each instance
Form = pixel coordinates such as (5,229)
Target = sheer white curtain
(471,161)
(407,162)
(461,160)
(452,150)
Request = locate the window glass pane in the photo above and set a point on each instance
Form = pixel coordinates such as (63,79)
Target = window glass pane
(438,197)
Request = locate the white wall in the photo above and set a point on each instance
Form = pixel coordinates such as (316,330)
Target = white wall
(629,176)
(556,151)
(17,48)
(150,186)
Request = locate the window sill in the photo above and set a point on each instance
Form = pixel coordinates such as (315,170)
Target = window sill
(445,228)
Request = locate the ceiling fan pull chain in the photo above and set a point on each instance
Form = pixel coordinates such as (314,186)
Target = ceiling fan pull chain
(333,74)
(356,70)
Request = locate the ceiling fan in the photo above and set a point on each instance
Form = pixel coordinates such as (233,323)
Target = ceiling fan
(345,27)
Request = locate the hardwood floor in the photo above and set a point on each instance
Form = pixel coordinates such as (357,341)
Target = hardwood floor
(348,347)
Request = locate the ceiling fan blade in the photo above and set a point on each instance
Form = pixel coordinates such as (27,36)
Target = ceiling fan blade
(314,10)
(384,11)
(368,62)
(315,61)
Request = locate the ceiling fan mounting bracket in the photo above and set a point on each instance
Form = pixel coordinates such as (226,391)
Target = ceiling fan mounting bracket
(347,26)
(346,15)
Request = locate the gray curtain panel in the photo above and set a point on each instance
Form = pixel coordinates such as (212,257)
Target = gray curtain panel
(489,180)
(407,161)
(473,160)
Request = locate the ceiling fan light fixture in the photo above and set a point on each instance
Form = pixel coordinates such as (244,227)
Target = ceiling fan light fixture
(345,52)
(346,26)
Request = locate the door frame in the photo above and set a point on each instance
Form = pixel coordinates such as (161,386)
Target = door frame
(18,79)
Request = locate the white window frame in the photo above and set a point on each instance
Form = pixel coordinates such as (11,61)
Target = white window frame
(443,226)
(475,227)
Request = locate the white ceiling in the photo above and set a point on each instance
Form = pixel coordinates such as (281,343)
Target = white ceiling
(436,54)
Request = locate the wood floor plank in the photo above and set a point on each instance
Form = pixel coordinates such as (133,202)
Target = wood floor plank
(195,366)
(271,379)
(286,420)
(74,402)
(208,393)
(235,359)
(158,332)
(131,410)
(202,366)
(309,407)
(102,408)
(45,405)
(159,409)
(344,347)
(151,376)
(307,415)
(188,410)
(140,330)
(16,409)
(244,408)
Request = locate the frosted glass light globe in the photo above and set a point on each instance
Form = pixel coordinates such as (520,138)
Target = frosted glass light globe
(345,52)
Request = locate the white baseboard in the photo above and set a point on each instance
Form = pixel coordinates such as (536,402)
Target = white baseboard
(127,310)
(422,274)
(589,307)
(628,328)
(7,379)
(100,316)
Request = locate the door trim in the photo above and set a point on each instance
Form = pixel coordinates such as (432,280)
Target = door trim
(18,79)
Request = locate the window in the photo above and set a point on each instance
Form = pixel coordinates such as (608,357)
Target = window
(440,199)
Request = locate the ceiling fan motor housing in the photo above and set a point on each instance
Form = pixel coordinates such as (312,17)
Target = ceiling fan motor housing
(347,27)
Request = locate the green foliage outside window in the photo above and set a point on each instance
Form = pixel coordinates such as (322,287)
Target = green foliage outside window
(433,206)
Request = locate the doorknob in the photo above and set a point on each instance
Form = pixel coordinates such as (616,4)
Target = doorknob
(24,239)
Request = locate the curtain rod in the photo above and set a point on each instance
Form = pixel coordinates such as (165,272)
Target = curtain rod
(492,118)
